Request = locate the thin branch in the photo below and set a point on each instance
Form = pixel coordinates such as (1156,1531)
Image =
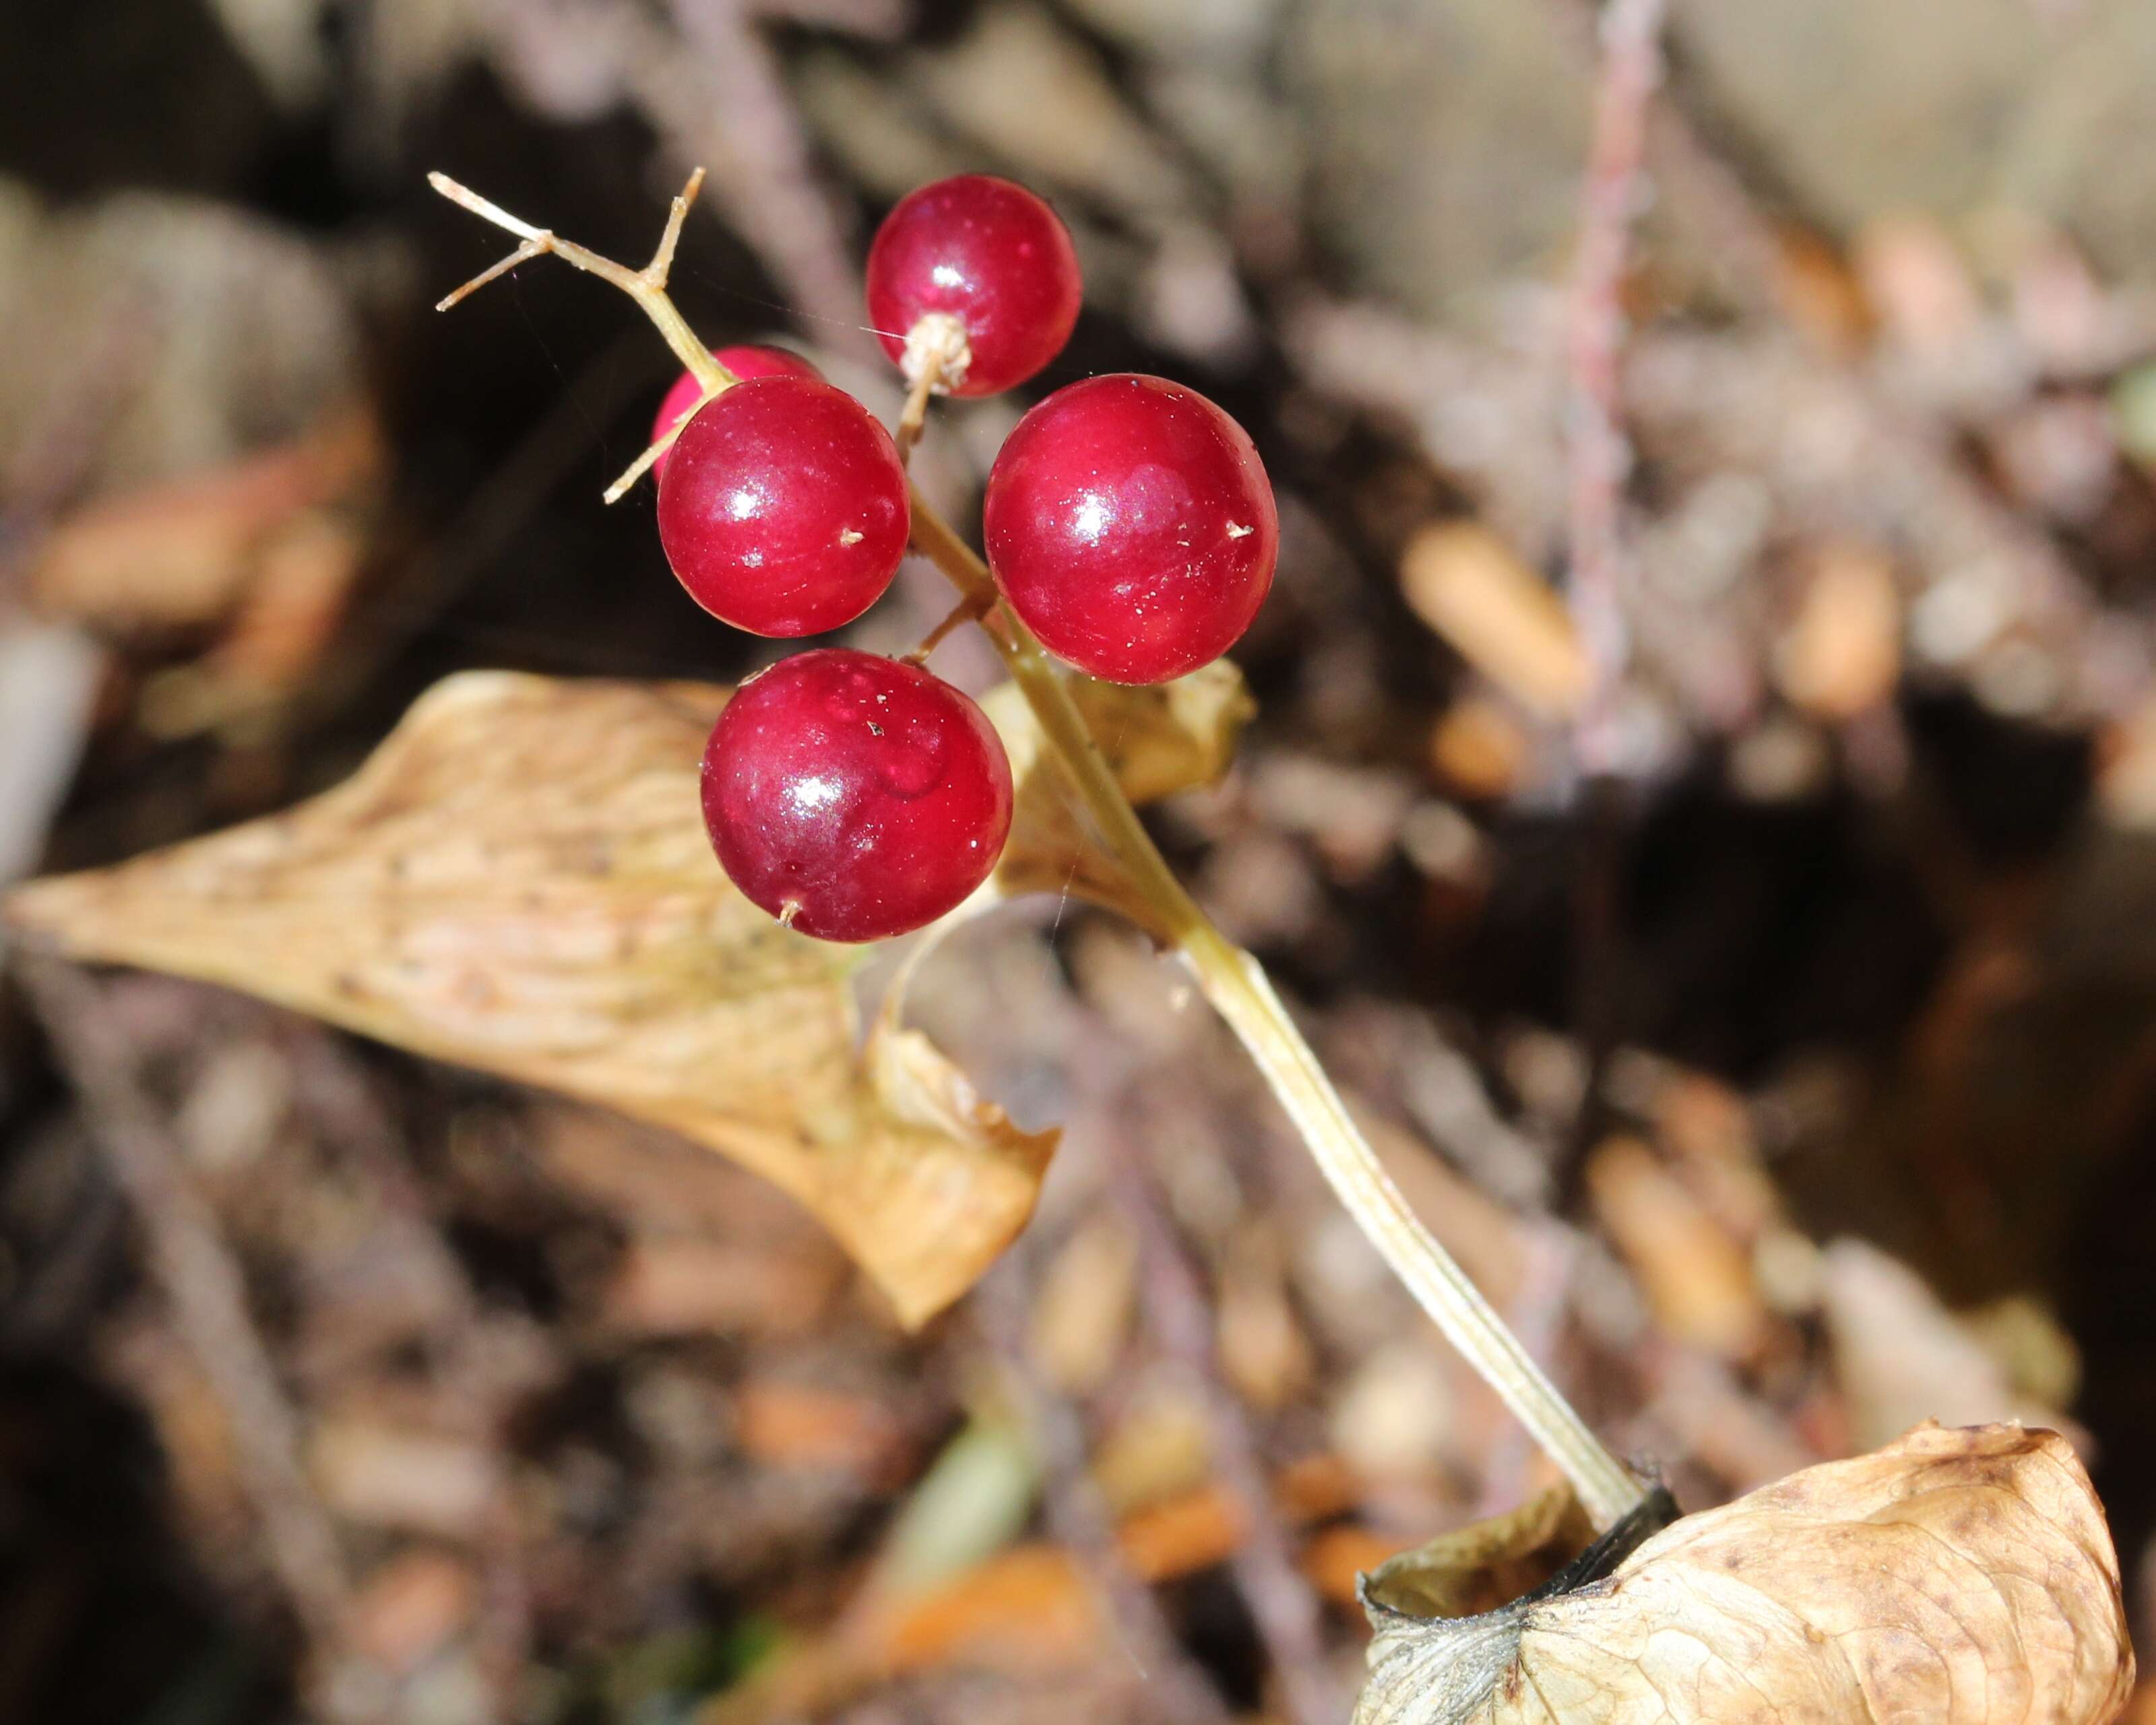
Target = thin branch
(661,266)
(913,418)
(486,210)
(637,468)
(1282,1604)
(970,608)
(727,97)
(524,254)
(1711,196)
(646,287)
(202,1282)
(1077,1516)
(1598,451)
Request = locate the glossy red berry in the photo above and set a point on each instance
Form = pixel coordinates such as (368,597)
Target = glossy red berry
(1130,525)
(854,796)
(990,254)
(784,510)
(744,363)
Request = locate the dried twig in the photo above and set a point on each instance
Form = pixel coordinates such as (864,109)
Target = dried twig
(726,100)
(199,1277)
(1282,1604)
(1077,1516)
(649,459)
(971,608)
(1713,198)
(646,287)
(1598,454)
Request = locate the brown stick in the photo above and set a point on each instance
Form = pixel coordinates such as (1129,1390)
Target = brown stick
(1282,1604)
(1077,1516)
(1599,454)
(971,608)
(1714,199)
(730,99)
(201,1280)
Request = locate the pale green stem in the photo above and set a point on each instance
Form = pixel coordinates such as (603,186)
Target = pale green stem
(1237,985)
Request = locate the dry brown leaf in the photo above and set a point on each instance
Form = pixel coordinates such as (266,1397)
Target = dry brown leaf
(1501,616)
(1917,285)
(799,1425)
(667,1285)
(1963,1577)
(1337,1559)
(1030,1609)
(412,1607)
(381,1476)
(184,553)
(519,881)
(1697,1275)
(1841,653)
(1479,749)
(1159,739)
(1083,1307)
(1488,1563)
(1159,1446)
(1264,1354)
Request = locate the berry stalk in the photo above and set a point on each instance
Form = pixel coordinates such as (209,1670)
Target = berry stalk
(1231,979)
(1241,991)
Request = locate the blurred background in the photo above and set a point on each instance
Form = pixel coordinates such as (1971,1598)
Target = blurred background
(1776,1049)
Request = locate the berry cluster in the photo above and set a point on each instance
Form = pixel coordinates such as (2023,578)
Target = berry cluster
(1129,525)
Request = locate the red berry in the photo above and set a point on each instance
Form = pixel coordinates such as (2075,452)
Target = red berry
(744,363)
(1131,525)
(987,252)
(864,797)
(784,510)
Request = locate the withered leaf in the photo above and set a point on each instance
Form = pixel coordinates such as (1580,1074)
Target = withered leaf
(1497,613)
(1486,1563)
(518,880)
(1158,739)
(1961,1576)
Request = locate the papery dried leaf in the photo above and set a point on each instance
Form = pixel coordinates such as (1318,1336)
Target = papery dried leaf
(1158,739)
(184,553)
(1961,1576)
(519,881)
(1498,613)
(1900,1354)
(1841,653)
(1485,1564)
(1696,1274)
